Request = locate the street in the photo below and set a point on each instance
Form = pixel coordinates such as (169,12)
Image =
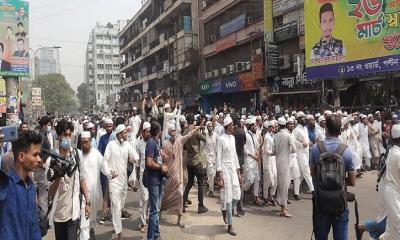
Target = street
(258,223)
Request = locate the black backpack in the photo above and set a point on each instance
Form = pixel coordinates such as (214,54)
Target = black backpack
(330,181)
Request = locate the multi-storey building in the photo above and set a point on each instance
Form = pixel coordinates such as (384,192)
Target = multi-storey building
(102,68)
(48,61)
(159,51)
(231,48)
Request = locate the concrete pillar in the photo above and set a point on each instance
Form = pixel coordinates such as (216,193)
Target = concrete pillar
(12,100)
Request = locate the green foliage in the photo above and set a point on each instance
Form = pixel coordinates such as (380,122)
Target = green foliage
(57,94)
(83,95)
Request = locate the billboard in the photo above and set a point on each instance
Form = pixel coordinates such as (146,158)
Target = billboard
(268,23)
(346,38)
(14,38)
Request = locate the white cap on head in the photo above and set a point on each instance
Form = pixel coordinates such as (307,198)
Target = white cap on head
(251,121)
(266,124)
(182,118)
(85,134)
(321,118)
(317,115)
(221,114)
(310,117)
(370,116)
(258,118)
(108,121)
(345,114)
(171,127)
(286,116)
(208,122)
(395,131)
(281,121)
(243,117)
(129,127)
(227,121)
(328,112)
(345,121)
(291,120)
(85,121)
(146,125)
(362,116)
(339,112)
(90,125)
(167,106)
(394,116)
(274,123)
(377,113)
(120,128)
(134,108)
(300,114)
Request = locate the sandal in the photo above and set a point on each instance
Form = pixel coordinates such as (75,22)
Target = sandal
(286,215)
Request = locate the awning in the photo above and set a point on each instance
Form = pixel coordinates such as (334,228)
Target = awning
(293,92)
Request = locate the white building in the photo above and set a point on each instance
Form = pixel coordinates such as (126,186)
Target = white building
(102,64)
(48,61)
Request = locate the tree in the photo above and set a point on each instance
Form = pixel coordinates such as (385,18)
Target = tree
(57,94)
(83,95)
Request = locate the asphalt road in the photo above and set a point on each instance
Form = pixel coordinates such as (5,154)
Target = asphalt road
(258,223)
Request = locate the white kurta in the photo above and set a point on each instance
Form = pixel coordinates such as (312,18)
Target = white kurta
(210,149)
(117,155)
(269,165)
(352,142)
(392,194)
(364,142)
(144,194)
(300,134)
(169,117)
(283,147)
(320,134)
(219,129)
(135,122)
(227,163)
(252,171)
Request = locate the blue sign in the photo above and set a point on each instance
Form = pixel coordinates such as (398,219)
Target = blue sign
(216,86)
(231,84)
(187,24)
(233,25)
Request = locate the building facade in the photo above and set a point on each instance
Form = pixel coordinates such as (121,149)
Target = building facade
(102,68)
(48,61)
(159,51)
(231,54)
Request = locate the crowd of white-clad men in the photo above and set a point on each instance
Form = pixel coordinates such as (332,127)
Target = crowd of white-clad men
(236,154)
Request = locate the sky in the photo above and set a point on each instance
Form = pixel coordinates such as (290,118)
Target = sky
(68,23)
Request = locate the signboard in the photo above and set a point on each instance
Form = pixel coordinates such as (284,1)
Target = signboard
(36,91)
(3,104)
(187,24)
(230,84)
(210,86)
(293,83)
(2,87)
(14,30)
(247,81)
(286,31)
(358,37)
(226,42)
(233,25)
(268,22)
(283,6)
(272,59)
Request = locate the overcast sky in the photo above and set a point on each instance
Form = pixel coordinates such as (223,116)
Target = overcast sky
(67,23)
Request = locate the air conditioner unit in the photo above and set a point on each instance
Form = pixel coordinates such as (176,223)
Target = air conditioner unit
(284,62)
(247,66)
(123,75)
(249,20)
(258,51)
(216,72)
(224,70)
(206,75)
(298,63)
(204,4)
(213,38)
(239,66)
(231,68)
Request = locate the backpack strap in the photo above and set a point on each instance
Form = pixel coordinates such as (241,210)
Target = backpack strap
(341,148)
(321,147)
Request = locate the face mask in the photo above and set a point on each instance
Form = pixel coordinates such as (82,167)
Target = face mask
(65,143)
(48,129)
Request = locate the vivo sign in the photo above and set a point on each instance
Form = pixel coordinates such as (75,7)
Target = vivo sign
(231,84)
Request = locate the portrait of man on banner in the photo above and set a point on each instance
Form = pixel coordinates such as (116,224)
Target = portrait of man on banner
(328,49)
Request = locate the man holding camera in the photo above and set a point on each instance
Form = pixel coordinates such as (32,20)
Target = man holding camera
(18,222)
(66,188)
(117,155)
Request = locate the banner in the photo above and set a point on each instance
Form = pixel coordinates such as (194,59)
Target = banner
(268,24)
(346,38)
(283,6)
(14,38)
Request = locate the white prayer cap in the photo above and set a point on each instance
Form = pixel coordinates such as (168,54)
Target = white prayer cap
(310,117)
(362,116)
(86,121)
(339,112)
(396,131)
(208,116)
(394,116)
(244,117)
(120,128)
(317,115)
(274,123)
(345,114)
(281,121)
(85,134)
(328,112)
(129,127)
(146,125)
(167,106)
(266,124)
(300,114)
(208,122)
(227,121)
(321,118)
(182,118)
(377,113)
(345,121)
(108,121)
(134,108)
(258,118)
(286,116)
(251,121)
(90,125)
(243,121)
(171,127)
(221,114)
(294,113)
(370,116)
(291,120)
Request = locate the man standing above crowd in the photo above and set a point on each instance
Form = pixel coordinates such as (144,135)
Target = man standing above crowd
(135,121)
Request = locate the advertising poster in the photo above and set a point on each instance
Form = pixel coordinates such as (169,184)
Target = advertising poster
(3,104)
(14,38)
(346,38)
(268,23)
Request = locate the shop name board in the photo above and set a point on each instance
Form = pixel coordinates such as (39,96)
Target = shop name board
(210,86)
(231,84)
(286,31)
(283,6)
(233,25)
(298,82)
(226,42)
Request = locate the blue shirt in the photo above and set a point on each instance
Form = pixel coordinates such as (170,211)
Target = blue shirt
(19,217)
(103,143)
(331,145)
(153,177)
(311,134)
(93,143)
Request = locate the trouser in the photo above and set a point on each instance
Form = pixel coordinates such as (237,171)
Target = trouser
(240,202)
(339,224)
(296,185)
(66,230)
(229,208)
(306,174)
(252,179)
(200,173)
(211,177)
(153,231)
(269,180)
(117,197)
(367,161)
(105,190)
(144,199)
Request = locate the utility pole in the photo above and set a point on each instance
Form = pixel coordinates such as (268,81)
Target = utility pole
(11,91)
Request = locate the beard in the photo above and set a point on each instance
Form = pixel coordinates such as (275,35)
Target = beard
(85,151)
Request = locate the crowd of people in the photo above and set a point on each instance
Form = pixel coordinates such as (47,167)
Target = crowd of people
(163,152)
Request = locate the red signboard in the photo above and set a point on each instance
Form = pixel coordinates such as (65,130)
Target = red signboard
(226,42)
(247,81)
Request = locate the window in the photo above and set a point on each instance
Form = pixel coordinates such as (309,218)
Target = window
(116,56)
(107,56)
(100,56)
(114,37)
(100,66)
(109,66)
(116,65)
(99,46)
(99,37)
(100,76)
(107,37)
(107,47)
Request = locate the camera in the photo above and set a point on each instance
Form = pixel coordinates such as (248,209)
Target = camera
(59,165)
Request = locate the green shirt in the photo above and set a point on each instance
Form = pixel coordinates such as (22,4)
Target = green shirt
(192,146)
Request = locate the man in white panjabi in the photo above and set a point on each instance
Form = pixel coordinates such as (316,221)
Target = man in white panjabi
(270,182)
(364,141)
(210,154)
(302,141)
(219,128)
(392,189)
(91,164)
(135,121)
(117,155)
(169,117)
(320,129)
(283,146)
(228,173)
(295,174)
(252,158)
